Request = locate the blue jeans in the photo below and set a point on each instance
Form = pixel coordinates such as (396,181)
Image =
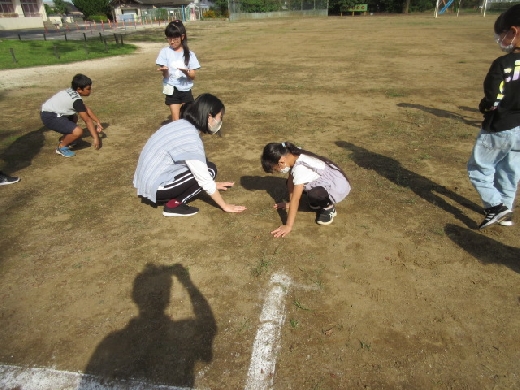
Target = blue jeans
(494,166)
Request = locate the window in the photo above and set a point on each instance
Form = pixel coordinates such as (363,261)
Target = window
(30,7)
(6,6)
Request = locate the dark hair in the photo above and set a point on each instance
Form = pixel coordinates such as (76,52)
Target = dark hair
(497,27)
(508,19)
(274,151)
(198,111)
(80,81)
(176,29)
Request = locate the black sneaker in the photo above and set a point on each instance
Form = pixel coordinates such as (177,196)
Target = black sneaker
(507,221)
(6,179)
(182,210)
(494,215)
(326,216)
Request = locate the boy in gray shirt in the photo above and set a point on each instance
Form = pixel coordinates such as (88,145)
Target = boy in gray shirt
(60,113)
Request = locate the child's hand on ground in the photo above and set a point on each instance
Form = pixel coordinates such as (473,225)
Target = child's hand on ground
(282,231)
(231,208)
(97,144)
(224,185)
(281,205)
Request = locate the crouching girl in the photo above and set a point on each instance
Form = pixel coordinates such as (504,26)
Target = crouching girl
(173,168)
(323,181)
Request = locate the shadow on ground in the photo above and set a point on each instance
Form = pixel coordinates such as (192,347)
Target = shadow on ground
(23,150)
(444,114)
(275,186)
(153,347)
(425,188)
(483,248)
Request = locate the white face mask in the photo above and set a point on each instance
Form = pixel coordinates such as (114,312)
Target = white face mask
(285,170)
(505,48)
(215,126)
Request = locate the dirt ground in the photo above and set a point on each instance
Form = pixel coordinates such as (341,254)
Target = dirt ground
(400,292)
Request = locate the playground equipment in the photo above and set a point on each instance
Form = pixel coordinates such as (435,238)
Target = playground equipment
(445,6)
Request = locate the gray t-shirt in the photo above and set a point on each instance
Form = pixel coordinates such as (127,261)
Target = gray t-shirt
(65,103)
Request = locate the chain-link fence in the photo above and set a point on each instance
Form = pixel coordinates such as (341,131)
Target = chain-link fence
(260,6)
(164,14)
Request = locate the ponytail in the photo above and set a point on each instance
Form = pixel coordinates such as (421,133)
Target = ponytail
(274,151)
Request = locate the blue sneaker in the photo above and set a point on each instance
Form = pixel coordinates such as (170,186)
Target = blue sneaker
(65,151)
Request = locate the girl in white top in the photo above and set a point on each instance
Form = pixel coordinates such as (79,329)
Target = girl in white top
(177,65)
(324,182)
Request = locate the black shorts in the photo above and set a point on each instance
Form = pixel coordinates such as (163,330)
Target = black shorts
(61,124)
(178,97)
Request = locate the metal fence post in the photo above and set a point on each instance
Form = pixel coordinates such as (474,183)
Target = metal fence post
(12,54)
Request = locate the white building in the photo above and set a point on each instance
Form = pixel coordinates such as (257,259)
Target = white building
(21,14)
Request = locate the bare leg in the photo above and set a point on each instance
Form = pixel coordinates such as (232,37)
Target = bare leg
(69,138)
(176,111)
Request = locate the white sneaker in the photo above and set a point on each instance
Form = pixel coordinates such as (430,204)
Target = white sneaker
(508,221)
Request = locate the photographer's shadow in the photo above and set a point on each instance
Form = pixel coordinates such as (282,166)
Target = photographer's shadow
(483,248)
(153,347)
(420,185)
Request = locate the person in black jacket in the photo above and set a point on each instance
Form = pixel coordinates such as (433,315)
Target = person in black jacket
(494,165)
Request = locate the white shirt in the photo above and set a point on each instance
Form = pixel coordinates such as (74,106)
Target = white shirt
(174,60)
(302,174)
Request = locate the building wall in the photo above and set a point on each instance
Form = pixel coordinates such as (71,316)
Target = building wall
(23,22)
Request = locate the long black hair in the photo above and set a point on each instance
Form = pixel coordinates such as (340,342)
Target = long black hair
(274,151)
(198,111)
(176,29)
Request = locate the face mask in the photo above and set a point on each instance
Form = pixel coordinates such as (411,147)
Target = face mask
(215,126)
(505,48)
(509,48)
(285,170)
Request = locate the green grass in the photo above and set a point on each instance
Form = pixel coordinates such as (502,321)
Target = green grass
(39,53)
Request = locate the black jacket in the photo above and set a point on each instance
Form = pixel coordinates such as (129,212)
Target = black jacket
(501,102)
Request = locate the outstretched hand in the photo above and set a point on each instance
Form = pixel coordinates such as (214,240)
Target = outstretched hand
(231,208)
(164,70)
(224,185)
(282,231)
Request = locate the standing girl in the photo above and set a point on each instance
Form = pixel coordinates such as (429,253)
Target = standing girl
(177,64)
(494,165)
(323,181)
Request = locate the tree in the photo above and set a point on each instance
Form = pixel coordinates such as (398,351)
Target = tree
(220,7)
(93,7)
(60,7)
(48,9)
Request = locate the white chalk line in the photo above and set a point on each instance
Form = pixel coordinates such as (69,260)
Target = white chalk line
(261,371)
(23,378)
